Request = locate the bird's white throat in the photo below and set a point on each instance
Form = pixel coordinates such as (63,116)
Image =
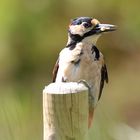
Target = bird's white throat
(91,39)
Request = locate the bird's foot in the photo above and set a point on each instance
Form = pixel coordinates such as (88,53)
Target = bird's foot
(90,96)
(85,83)
(90,102)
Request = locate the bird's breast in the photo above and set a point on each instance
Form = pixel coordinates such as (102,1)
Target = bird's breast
(78,64)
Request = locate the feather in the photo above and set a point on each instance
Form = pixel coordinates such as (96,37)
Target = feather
(104,77)
(55,70)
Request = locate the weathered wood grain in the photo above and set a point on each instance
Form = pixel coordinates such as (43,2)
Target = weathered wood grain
(65,111)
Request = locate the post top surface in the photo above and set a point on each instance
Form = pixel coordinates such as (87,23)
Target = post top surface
(64,88)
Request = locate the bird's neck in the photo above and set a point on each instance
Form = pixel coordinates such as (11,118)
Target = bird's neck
(72,41)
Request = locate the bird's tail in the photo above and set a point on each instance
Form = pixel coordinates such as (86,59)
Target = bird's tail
(90,117)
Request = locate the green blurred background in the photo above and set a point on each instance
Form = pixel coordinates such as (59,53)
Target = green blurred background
(32,32)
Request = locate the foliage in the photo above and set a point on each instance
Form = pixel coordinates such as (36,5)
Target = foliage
(33,33)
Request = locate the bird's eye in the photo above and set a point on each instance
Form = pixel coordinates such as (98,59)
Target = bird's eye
(86,25)
(97,25)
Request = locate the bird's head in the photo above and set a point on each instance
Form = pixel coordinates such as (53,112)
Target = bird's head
(88,28)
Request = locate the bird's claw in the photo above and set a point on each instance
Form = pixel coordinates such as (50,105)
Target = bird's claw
(90,96)
(85,83)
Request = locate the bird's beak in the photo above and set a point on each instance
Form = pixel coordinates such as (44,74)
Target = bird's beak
(100,28)
(105,28)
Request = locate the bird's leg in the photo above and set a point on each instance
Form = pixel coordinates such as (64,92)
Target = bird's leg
(85,83)
(90,101)
(90,96)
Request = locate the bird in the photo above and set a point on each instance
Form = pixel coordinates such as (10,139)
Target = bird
(82,61)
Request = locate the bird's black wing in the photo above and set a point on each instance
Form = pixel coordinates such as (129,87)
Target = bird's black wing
(104,77)
(55,70)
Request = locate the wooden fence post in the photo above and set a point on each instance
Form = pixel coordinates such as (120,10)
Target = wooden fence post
(65,111)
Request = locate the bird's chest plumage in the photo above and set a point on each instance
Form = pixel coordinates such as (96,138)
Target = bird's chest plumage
(80,64)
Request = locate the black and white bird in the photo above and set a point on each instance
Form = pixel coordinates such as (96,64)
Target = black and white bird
(81,60)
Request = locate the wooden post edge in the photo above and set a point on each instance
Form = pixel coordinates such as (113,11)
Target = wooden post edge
(65,111)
